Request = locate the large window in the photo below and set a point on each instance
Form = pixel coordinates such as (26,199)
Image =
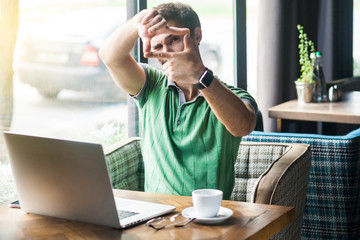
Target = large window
(61,88)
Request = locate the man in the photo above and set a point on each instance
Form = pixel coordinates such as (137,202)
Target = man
(192,123)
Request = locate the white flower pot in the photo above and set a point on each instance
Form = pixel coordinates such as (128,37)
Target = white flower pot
(305,91)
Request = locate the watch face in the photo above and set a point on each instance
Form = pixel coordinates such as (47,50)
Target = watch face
(205,79)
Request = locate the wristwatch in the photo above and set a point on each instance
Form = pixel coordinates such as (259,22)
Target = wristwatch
(205,79)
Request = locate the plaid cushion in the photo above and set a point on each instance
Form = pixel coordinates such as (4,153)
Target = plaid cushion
(285,168)
(251,162)
(125,166)
(332,208)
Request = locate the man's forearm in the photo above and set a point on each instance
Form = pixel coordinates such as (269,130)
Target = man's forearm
(118,46)
(238,117)
(115,53)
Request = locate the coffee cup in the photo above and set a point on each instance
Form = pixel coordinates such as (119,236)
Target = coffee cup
(207,202)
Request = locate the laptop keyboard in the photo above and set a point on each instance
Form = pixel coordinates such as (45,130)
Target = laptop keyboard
(125,214)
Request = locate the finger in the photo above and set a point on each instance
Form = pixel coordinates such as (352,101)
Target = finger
(162,55)
(146,46)
(187,42)
(150,14)
(177,30)
(163,28)
(155,20)
(157,26)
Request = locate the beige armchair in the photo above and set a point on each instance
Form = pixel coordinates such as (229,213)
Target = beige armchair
(269,173)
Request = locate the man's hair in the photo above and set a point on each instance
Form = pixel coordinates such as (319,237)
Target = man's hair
(180,13)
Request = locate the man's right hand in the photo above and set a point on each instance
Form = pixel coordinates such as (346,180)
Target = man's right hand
(151,23)
(115,52)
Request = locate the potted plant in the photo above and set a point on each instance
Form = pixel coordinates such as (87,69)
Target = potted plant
(305,85)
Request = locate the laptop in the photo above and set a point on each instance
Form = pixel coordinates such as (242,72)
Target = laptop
(69,180)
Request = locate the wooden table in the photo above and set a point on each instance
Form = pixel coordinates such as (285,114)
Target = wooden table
(345,111)
(250,221)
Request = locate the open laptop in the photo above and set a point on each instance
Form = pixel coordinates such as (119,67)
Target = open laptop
(69,179)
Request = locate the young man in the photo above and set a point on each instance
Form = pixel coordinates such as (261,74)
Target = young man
(192,123)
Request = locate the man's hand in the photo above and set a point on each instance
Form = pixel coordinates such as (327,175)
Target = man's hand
(184,67)
(151,23)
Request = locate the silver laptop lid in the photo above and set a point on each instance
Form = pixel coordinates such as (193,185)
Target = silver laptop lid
(61,178)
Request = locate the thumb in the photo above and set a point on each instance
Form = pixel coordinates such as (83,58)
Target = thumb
(146,45)
(187,41)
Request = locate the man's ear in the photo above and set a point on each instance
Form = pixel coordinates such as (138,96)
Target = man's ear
(198,35)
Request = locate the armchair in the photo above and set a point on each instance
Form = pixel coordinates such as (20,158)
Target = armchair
(125,164)
(332,208)
(269,173)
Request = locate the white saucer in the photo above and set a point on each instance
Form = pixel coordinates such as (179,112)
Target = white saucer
(224,213)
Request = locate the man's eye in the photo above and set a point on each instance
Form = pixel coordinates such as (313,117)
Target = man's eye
(156,48)
(174,39)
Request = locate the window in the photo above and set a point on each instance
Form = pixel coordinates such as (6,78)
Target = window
(61,88)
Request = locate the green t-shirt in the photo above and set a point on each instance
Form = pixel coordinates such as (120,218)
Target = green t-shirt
(184,146)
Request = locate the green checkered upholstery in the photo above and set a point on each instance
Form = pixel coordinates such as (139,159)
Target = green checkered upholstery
(125,165)
(332,209)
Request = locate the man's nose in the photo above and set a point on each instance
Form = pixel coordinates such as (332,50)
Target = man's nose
(163,50)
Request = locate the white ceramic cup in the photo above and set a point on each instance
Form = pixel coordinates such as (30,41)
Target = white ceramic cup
(207,202)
